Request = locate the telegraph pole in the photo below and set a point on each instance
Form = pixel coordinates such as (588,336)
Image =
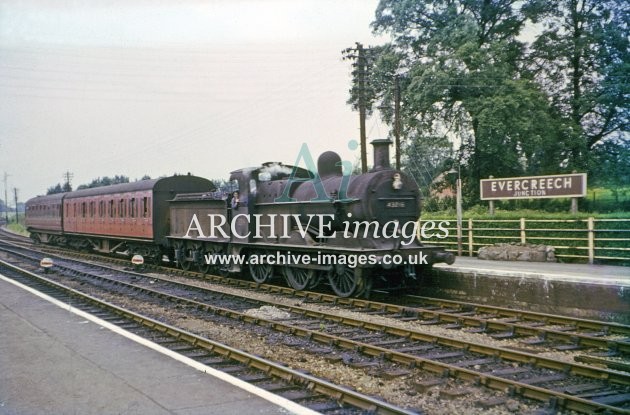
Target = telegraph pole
(67,176)
(362,110)
(359,73)
(6,198)
(15,192)
(397,119)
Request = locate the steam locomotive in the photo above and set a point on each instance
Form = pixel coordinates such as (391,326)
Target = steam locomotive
(308,226)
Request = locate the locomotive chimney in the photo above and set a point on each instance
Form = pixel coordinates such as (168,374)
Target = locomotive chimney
(381,154)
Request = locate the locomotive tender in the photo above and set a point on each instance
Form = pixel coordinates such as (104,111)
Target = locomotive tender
(351,230)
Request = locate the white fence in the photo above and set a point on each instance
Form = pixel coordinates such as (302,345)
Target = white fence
(579,240)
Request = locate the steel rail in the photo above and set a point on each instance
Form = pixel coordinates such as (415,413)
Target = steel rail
(452,312)
(528,391)
(339,393)
(610,327)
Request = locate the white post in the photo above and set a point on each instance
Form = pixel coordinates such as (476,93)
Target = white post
(470,237)
(491,202)
(459,215)
(591,240)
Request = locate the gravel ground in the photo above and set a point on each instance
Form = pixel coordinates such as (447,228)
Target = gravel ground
(401,390)
(566,356)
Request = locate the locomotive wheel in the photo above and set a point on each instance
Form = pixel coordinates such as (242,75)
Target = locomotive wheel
(260,273)
(346,281)
(217,268)
(185,265)
(316,279)
(298,278)
(181,258)
(204,268)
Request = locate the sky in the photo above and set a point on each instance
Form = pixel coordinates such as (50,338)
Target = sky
(145,87)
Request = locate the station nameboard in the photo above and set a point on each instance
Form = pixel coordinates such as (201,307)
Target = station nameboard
(534,187)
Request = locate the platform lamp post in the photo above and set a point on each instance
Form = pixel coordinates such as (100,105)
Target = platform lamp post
(458,201)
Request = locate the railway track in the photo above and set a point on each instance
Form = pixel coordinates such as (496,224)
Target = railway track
(568,386)
(12,236)
(532,329)
(309,391)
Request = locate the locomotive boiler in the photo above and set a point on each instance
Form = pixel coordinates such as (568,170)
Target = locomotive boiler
(348,230)
(310,226)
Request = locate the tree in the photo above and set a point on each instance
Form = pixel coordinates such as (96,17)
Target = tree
(105,181)
(463,79)
(424,158)
(582,58)
(55,189)
(610,164)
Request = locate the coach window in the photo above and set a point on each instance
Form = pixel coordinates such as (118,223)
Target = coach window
(120,207)
(111,208)
(145,207)
(132,207)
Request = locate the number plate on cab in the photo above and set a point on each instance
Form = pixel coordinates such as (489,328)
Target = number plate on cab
(395,204)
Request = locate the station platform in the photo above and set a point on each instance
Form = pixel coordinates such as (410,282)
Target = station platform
(54,361)
(589,291)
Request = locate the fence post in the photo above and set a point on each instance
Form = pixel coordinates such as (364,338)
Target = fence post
(523,238)
(491,202)
(470,237)
(591,240)
(574,202)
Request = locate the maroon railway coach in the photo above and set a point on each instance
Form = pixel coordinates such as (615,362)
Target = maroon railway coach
(131,217)
(44,218)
